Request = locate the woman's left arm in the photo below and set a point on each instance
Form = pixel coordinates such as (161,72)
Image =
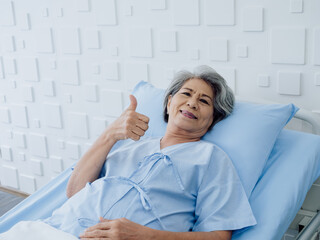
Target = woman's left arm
(123,229)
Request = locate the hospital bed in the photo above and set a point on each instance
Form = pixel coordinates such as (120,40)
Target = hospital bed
(291,165)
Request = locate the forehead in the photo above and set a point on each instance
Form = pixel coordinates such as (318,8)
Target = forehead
(198,85)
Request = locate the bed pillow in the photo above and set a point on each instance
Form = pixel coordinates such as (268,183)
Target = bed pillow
(292,167)
(247,135)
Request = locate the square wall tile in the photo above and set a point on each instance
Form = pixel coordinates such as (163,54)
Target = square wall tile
(288,45)
(289,83)
(9,176)
(141,42)
(218,50)
(220,13)
(252,19)
(189,16)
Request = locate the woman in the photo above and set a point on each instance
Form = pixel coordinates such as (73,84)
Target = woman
(174,187)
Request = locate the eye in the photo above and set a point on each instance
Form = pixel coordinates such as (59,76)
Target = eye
(204,101)
(186,93)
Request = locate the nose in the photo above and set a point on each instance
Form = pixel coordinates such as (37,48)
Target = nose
(192,103)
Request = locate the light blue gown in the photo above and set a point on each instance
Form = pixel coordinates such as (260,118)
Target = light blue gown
(185,187)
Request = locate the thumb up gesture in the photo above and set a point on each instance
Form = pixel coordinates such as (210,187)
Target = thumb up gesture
(130,124)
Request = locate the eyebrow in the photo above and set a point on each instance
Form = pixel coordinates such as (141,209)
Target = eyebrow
(204,95)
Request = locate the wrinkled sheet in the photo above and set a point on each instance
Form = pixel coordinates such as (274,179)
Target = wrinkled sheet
(35,230)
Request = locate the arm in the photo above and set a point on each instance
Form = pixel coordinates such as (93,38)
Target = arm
(129,125)
(121,229)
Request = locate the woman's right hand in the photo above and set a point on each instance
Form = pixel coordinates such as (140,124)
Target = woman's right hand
(130,124)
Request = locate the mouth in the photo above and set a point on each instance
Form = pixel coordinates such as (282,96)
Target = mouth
(188,114)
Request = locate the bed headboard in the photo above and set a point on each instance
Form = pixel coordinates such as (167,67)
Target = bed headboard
(304,120)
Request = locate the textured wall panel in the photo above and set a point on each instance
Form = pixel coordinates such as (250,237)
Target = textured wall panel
(21,156)
(73,150)
(19,115)
(27,93)
(9,43)
(5,115)
(70,40)
(48,88)
(111,103)
(23,20)
(36,167)
(317,79)
(91,92)
(157,4)
(28,69)
(168,41)
(252,19)
(6,153)
(111,70)
(43,39)
(218,50)
(263,80)
(194,54)
(7,13)
(78,125)
(190,13)
(82,5)
(104,12)
(19,139)
(316,42)
(141,42)
(56,164)
(296,6)
(10,66)
(134,73)
(27,184)
(288,45)
(219,12)
(242,51)
(92,39)
(38,145)
(1,68)
(229,74)
(289,83)
(98,126)
(52,113)
(9,176)
(69,71)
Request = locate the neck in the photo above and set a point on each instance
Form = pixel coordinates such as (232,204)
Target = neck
(170,139)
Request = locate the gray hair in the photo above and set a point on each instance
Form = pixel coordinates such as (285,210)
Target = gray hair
(223,95)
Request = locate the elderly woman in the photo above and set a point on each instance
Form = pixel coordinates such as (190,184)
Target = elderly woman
(174,187)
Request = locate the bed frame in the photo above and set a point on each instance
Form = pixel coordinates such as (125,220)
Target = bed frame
(312,230)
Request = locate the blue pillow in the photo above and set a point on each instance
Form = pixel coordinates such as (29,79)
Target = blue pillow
(292,167)
(247,135)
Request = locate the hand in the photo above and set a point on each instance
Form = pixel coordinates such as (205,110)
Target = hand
(130,124)
(118,229)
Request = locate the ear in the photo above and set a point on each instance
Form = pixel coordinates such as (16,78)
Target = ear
(168,104)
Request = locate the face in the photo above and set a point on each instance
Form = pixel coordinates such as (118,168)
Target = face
(190,110)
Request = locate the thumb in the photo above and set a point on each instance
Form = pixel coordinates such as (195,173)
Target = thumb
(133,103)
(103,219)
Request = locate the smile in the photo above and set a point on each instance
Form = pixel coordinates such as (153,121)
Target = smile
(188,114)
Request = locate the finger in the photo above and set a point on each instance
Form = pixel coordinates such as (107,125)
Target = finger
(99,226)
(133,103)
(94,234)
(138,131)
(143,118)
(142,125)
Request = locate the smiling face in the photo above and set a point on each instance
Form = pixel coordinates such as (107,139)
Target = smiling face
(190,110)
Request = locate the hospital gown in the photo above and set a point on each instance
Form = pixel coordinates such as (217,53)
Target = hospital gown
(184,187)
